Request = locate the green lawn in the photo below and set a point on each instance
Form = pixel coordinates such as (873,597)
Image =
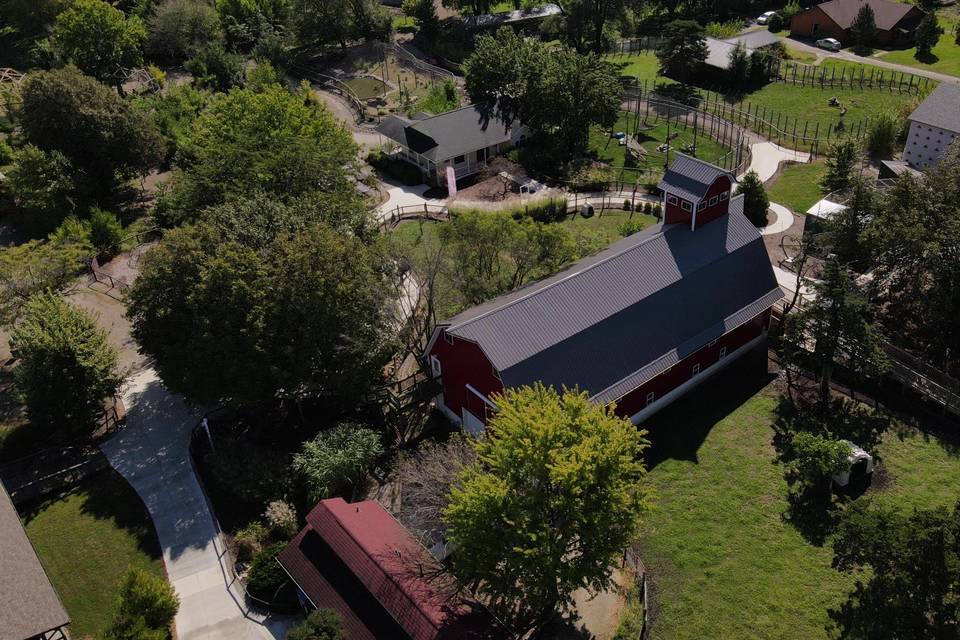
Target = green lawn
(797,186)
(945,56)
(86,540)
(642,66)
(607,149)
(722,562)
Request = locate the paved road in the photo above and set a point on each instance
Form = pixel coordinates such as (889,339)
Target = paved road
(152,453)
(879,62)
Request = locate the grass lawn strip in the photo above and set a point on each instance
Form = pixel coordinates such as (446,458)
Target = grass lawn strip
(797,186)
(723,563)
(945,55)
(87,539)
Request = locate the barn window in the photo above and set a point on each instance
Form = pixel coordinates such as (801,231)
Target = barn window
(435,366)
(723,352)
(686,206)
(696,368)
(447,337)
(724,196)
(459,159)
(671,199)
(712,342)
(701,206)
(496,374)
(714,200)
(650,398)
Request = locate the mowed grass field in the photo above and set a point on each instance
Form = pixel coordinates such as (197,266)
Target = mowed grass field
(721,561)
(797,186)
(945,57)
(87,539)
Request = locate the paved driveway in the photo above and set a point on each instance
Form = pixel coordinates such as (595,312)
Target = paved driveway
(152,453)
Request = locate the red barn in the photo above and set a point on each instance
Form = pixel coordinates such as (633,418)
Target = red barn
(637,324)
(356,559)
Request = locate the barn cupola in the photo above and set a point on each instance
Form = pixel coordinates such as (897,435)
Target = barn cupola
(695,192)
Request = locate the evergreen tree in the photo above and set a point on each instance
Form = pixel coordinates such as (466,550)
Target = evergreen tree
(739,67)
(841,163)
(755,201)
(928,34)
(65,369)
(681,50)
(864,27)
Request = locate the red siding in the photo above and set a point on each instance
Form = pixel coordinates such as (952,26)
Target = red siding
(814,23)
(464,363)
(636,400)
(722,185)
(674,213)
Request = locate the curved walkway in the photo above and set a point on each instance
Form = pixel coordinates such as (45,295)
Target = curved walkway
(767,157)
(153,454)
(783,222)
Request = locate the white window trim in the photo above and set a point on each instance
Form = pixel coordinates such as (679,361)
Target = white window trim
(686,206)
(650,398)
(696,369)
(724,196)
(714,200)
(447,338)
(702,205)
(487,402)
(435,366)
(723,352)
(671,199)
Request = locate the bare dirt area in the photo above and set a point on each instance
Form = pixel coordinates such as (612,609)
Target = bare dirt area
(489,186)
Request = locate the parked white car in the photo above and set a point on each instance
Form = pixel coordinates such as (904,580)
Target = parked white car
(830,44)
(765,18)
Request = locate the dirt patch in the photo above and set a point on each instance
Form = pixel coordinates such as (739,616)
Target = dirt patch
(490,186)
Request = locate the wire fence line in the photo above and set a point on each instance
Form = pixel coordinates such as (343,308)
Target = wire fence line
(807,75)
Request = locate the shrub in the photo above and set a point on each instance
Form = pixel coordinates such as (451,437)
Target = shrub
(883,134)
(337,458)
(322,624)
(6,152)
(590,178)
(776,23)
(247,470)
(550,210)
(722,30)
(647,208)
(249,540)
(657,210)
(282,518)
(146,607)
(177,27)
(792,9)
(216,68)
(395,168)
(630,227)
(627,205)
(266,577)
(106,233)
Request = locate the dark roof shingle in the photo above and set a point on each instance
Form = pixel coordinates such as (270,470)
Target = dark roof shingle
(446,135)
(886,14)
(941,108)
(691,178)
(29,605)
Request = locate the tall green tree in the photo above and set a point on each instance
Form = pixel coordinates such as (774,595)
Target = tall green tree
(103,135)
(739,65)
(682,49)
(100,40)
(841,163)
(337,22)
(179,27)
(928,34)
(548,508)
(755,200)
(864,27)
(271,141)
(908,569)
(424,13)
(65,366)
(43,187)
(306,316)
(840,322)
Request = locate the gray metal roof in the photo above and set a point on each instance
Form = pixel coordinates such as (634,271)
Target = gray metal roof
(718,53)
(690,178)
(494,20)
(446,135)
(941,108)
(614,320)
(755,39)
(29,605)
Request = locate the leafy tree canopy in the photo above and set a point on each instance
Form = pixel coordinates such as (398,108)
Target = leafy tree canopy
(179,27)
(551,503)
(337,459)
(270,141)
(321,624)
(65,366)
(101,133)
(43,187)
(99,39)
(911,588)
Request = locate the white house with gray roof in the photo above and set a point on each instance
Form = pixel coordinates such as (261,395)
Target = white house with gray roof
(460,139)
(934,125)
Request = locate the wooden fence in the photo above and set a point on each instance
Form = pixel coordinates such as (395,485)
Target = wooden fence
(857,77)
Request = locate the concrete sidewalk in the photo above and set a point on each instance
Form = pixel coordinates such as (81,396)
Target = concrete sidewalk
(152,453)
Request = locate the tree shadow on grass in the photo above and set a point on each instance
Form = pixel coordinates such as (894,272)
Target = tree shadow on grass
(107,496)
(678,431)
(930,58)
